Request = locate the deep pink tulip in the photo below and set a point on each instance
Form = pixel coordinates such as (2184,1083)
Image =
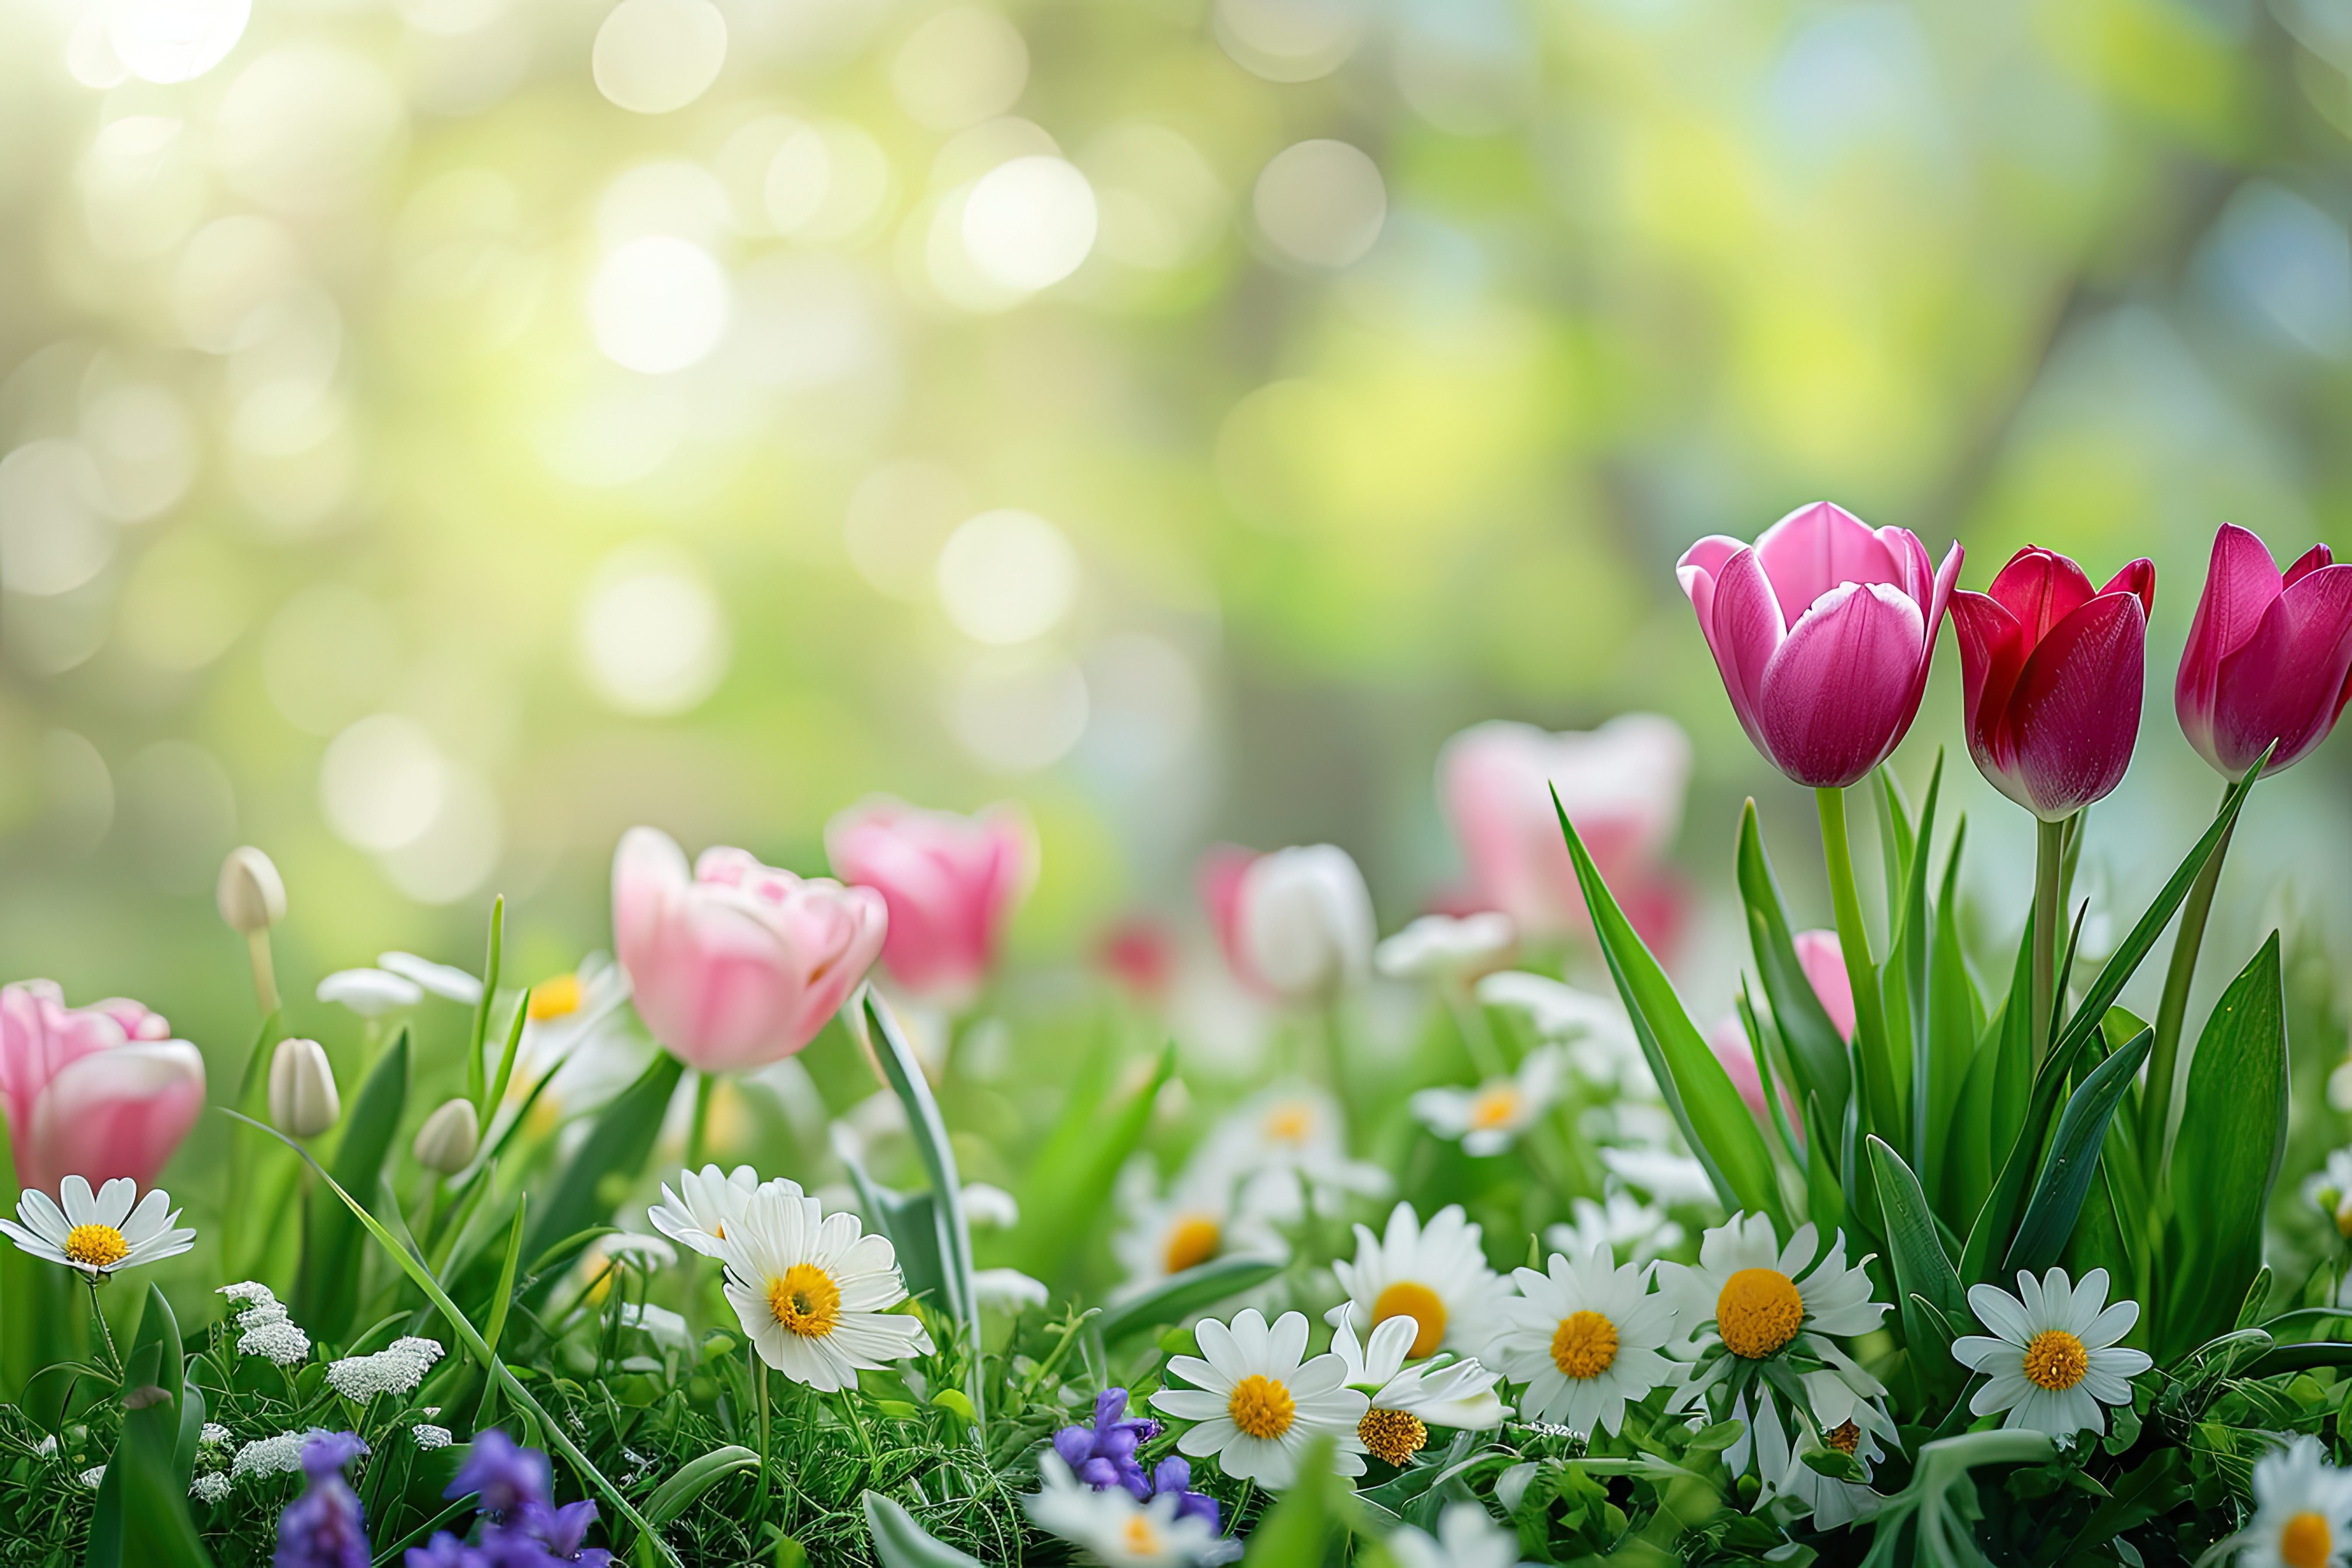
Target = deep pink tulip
(1622,785)
(2269,657)
(739,965)
(98,1091)
(951,883)
(1823,630)
(2052,673)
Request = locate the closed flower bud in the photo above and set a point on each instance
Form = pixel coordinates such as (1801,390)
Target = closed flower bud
(448,1138)
(250,894)
(302,1100)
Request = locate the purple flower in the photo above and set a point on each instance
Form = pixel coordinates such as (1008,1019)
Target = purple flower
(324,1528)
(444,1550)
(561,1530)
(506,1477)
(1172,1477)
(1103,1455)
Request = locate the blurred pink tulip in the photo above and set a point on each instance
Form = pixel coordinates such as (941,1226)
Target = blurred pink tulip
(2052,674)
(1823,631)
(738,964)
(98,1091)
(1728,1040)
(1823,962)
(2269,657)
(1622,785)
(951,883)
(1218,876)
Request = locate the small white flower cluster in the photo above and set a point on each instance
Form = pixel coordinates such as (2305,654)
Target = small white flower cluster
(429,1437)
(396,1369)
(212,1434)
(267,1332)
(210,1486)
(281,1455)
(92,1476)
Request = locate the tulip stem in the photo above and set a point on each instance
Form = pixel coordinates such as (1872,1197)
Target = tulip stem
(2155,1103)
(2049,871)
(1860,969)
(265,975)
(698,1129)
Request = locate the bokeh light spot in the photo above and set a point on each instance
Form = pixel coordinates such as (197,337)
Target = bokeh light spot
(1289,40)
(1030,223)
(174,40)
(1321,203)
(960,67)
(382,782)
(652,637)
(1007,576)
(658,304)
(1018,712)
(53,537)
(655,56)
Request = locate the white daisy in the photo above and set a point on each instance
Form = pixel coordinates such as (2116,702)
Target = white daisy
(1446,947)
(2330,1189)
(666,1328)
(1599,1037)
(370,992)
(706,1202)
(1009,1289)
(1257,1402)
(1203,1218)
(2055,1362)
(99,1232)
(1112,1528)
(1755,1297)
(1468,1537)
(644,1251)
(1292,1134)
(1435,1275)
(1641,1231)
(567,1031)
(813,1292)
(2303,1510)
(1780,1456)
(1585,1338)
(1489,1119)
(1667,1177)
(1408,1401)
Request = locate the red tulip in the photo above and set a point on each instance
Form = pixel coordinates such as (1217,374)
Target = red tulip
(1823,630)
(2268,658)
(2052,673)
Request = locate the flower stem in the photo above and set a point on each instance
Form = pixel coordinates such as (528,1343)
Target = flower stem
(113,1356)
(760,1376)
(1478,1034)
(264,977)
(698,1130)
(2048,867)
(2155,1103)
(1862,970)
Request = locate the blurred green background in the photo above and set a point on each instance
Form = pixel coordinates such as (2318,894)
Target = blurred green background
(441,433)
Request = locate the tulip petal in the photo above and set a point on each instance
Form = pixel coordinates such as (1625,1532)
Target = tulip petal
(1744,629)
(2075,716)
(1843,685)
(2039,588)
(2310,561)
(2286,682)
(2137,578)
(2241,583)
(117,1113)
(1816,548)
(1992,654)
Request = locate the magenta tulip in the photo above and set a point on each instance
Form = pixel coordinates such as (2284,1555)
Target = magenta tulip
(739,965)
(2052,673)
(1622,785)
(98,1091)
(951,883)
(1823,630)
(2269,657)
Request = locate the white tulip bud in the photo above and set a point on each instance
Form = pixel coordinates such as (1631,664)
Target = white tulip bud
(251,896)
(302,1100)
(1305,921)
(448,1138)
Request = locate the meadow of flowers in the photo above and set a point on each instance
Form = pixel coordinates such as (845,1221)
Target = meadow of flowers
(746,1243)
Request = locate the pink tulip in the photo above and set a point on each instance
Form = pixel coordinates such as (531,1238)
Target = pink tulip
(1823,962)
(1218,878)
(2051,675)
(98,1091)
(1823,630)
(739,965)
(2268,658)
(1622,785)
(1728,1040)
(951,883)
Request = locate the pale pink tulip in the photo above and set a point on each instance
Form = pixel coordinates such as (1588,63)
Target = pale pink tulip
(1823,962)
(1622,785)
(951,882)
(98,1091)
(1728,1040)
(739,965)
(1218,878)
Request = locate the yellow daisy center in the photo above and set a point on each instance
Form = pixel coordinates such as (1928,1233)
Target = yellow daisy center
(805,1301)
(1192,1240)
(1138,1536)
(2305,1541)
(1584,1345)
(555,998)
(1392,1436)
(2343,1218)
(1495,1107)
(1845,1437)
(1408,1299)
(96,1246)
(1261,1407)
(1289,1123)
(1758,1311)
(2055,1359)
